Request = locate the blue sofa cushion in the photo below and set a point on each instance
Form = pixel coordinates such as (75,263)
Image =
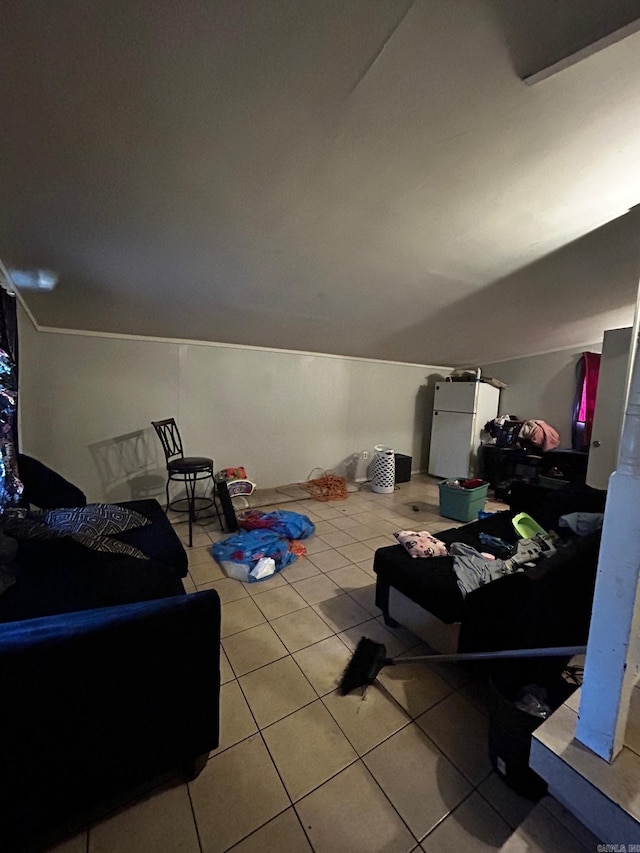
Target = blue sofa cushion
(100,700)
(45,488)
(61,576)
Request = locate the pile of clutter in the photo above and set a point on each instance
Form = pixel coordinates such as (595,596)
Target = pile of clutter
(266,543)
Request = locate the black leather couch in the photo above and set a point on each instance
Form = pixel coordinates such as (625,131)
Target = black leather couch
(109,672)
(548,604)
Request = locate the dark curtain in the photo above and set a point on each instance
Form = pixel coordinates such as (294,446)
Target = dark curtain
(9,343)
(10,486)
(587,374)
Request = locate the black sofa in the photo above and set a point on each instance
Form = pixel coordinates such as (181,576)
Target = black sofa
(548,604)
(109,672)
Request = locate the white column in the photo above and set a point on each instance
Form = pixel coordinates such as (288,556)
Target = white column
(613,651)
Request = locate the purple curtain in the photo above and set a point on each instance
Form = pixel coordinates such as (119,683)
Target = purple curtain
(587,374)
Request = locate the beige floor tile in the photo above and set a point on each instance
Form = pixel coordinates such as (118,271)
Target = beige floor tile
(414,686)
(228,589)
(323,526)
(569,822)
(240,615)
(376,631)
(369,519)
(329,560)
(258,587)
(226,673)
(318,588)
(351,577)
(362,532)
(421,783)
(314,545)
(445,524)
(367,566)
(189,586)
(280,601)
(200,538)
(345,523)
(251,649)
(389,525)
(236,720)
(356,553)
(366,719)
(303,504)
(199,555)
(307,748)
(264,497)
(509,805)
(341,612)
(283,834)
(455,673)
(407,637)
(206,571)
(338,537)
(298,492)
(540,832)
(300,629)
(238,791)
(300,570)
(366,597)
(159,823)
(323,663)
(328,510)
(350,814)
(77,844)
(380,542)
(215,534)
(351,507)
(474,825)
(462,733)
(275,690)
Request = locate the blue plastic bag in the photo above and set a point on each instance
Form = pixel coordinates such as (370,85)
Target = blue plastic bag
(238,554)
(293,525)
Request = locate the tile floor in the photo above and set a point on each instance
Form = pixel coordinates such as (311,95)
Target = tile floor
(299,768)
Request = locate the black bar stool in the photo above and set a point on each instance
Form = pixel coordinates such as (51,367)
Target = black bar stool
(188,470)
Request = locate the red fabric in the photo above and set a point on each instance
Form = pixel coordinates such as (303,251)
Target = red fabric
(589,389)
(472,484)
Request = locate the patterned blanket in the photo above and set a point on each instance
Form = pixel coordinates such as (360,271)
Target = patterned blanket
(92,525)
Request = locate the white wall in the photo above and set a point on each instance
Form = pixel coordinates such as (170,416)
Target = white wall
(86,403)
(541,386)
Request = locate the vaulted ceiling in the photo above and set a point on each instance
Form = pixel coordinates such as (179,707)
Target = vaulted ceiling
(371,178)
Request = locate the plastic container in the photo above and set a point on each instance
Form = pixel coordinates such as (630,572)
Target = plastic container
(461,504)
(510,729)
(384,470)
(553,482)
(526,526)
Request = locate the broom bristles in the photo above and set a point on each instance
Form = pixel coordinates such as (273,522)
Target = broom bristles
(364,666)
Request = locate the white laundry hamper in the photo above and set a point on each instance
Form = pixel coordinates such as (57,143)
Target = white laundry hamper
(383,470)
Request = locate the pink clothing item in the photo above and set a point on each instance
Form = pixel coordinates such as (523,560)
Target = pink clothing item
(540,434)
(421,544)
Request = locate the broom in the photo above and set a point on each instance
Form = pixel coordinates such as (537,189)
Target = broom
(370,657)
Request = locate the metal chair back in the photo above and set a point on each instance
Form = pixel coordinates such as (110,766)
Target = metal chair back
(169,436)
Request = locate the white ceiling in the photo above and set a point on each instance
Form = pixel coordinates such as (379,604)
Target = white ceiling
(368,178)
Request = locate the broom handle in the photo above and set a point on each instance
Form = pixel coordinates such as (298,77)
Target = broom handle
(559,651)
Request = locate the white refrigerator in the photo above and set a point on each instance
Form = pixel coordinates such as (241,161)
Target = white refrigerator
(460,411)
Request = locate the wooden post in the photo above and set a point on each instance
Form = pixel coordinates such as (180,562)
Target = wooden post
(613,651)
